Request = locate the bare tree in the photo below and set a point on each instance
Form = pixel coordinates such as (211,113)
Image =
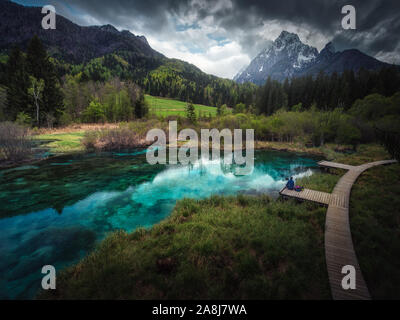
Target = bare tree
(36,91)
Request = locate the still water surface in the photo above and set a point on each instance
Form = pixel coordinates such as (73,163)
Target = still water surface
(55,212)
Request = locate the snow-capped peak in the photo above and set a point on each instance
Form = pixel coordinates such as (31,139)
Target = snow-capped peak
(286,38)
(285,56)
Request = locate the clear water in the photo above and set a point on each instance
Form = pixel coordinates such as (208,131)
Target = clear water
(55,212)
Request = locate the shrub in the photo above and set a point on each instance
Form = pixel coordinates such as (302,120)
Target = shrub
(222,110)
(141,107)
(348,134)
(190,113)
(298,107)
(23,119)
(114,139)
(95,113)
(65,119)
(15,144)
(239,108)
(89,140)
(391,141)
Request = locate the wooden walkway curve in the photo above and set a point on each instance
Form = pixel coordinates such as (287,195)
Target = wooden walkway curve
(339,249)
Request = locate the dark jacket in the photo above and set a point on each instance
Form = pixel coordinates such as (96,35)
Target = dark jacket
(290,184)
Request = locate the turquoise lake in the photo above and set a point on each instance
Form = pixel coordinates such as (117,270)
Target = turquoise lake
(55,212)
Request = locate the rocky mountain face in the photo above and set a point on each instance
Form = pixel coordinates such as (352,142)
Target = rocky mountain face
(70,42)
(282,59)
(288,57)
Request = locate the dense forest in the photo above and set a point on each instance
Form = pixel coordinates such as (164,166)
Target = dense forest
(170,78)
(69,89)
(29,78)
(327,92)
(36,91)
(43,91)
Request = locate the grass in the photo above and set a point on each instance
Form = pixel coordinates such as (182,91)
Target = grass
(219,248)
(375,226)
(365,153)
(327,181)
(167,107)
(63,142)
(321,181)
(246,247)
(329,150)
(374,217)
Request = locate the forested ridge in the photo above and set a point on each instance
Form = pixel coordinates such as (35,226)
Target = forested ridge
(59,75)
(39,90)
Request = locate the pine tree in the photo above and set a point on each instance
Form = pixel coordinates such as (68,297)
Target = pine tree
(190,113)
(141,107)
(286,88)
(37,58)
(41,67)
(17,85)
(52,95)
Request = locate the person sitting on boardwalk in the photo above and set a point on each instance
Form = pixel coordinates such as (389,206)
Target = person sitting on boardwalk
(290,184)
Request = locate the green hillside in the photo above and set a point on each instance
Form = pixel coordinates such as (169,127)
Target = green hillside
(167,107)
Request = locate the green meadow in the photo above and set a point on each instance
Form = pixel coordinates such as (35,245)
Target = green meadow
(62,142)
(170,107)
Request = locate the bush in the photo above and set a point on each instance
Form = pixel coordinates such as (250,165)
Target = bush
(65,119)
(348,134)
(95,113)
(90,140)
(141,107)
(391,141)
(23,119)
(3,102)
(239,108)
(15,144)
(222,110)
(114,139)
(190,113)
(297,107)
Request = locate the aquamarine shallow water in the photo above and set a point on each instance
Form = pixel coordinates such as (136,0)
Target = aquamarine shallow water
(55,212)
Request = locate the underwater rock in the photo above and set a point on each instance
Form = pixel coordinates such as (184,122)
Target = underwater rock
(51,246)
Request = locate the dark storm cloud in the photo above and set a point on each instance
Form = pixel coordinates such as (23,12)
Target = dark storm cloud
(378,22)
(152,13)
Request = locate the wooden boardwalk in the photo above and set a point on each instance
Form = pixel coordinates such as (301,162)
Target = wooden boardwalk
(328,164)
(339,249)
(307,194)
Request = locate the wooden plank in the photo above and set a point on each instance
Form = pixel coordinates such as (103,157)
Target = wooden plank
(307,194)
(328,164)
(339,249)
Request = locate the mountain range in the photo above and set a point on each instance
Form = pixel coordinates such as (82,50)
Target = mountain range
(100,52)
(289,57)
(80,45)
(72,43)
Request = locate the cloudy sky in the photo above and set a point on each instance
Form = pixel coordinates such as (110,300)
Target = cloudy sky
(223,36)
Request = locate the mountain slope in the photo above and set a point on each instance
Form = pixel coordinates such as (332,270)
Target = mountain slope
(288,57)
(281,60)
(352,59)
(100,52)
(69,42)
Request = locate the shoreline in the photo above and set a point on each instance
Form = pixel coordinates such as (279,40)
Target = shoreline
(248,200)
(258,145)
(71,138)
